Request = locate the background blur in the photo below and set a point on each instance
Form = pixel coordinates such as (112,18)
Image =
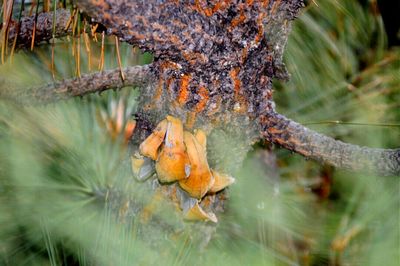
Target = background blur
(67,196)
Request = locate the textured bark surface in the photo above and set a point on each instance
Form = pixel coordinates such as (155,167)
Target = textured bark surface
(215,59)
(43,31)
(88,83)
(295,137)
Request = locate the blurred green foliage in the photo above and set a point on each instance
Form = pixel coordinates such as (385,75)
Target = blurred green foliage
(67,196)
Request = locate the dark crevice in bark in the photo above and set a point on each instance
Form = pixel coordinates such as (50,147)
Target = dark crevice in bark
(295,137)
(88,83)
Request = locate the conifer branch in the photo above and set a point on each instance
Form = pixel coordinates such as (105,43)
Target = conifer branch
(87,83)
(295,137)
(43,26)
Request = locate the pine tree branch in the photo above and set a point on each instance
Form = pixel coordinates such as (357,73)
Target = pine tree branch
(43,28)
(165,29)
(88,83)
(293,136)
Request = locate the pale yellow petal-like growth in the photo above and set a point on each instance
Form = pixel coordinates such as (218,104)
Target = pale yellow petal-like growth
(196,213)
(149,147)
(201,137)
(200,179)
(173,163)
(221,181)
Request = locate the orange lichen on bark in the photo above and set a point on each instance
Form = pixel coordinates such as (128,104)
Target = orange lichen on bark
(238,20)
(236,81)
(203,93)
(237,87)
(265,3)
(194,57)
(209,11)
(221,5)
(249,2)
(245,52)
(275,130)
(260,32)
(184,89)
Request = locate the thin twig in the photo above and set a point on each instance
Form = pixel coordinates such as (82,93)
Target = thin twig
(86,84)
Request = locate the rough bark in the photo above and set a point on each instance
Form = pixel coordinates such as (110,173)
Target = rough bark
(43,31)
(88,83)
(295,137)
(214,58)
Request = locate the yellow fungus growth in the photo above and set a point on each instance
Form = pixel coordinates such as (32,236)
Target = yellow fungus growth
(221,181)
(196,213)
(201,138)
(200,179)
(149,147)
(181,156)
(172,163)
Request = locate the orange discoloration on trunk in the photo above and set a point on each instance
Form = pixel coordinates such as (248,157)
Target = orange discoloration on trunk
(238,20)
(260,34)
(221,5)
(245,52)
(249,2)
(184,89)
(236,81)
(237,86)
(194,58)
(175,40)
(168,64)
(203,93)
(273,130)
(200,6)
(260,24)
(265,3)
